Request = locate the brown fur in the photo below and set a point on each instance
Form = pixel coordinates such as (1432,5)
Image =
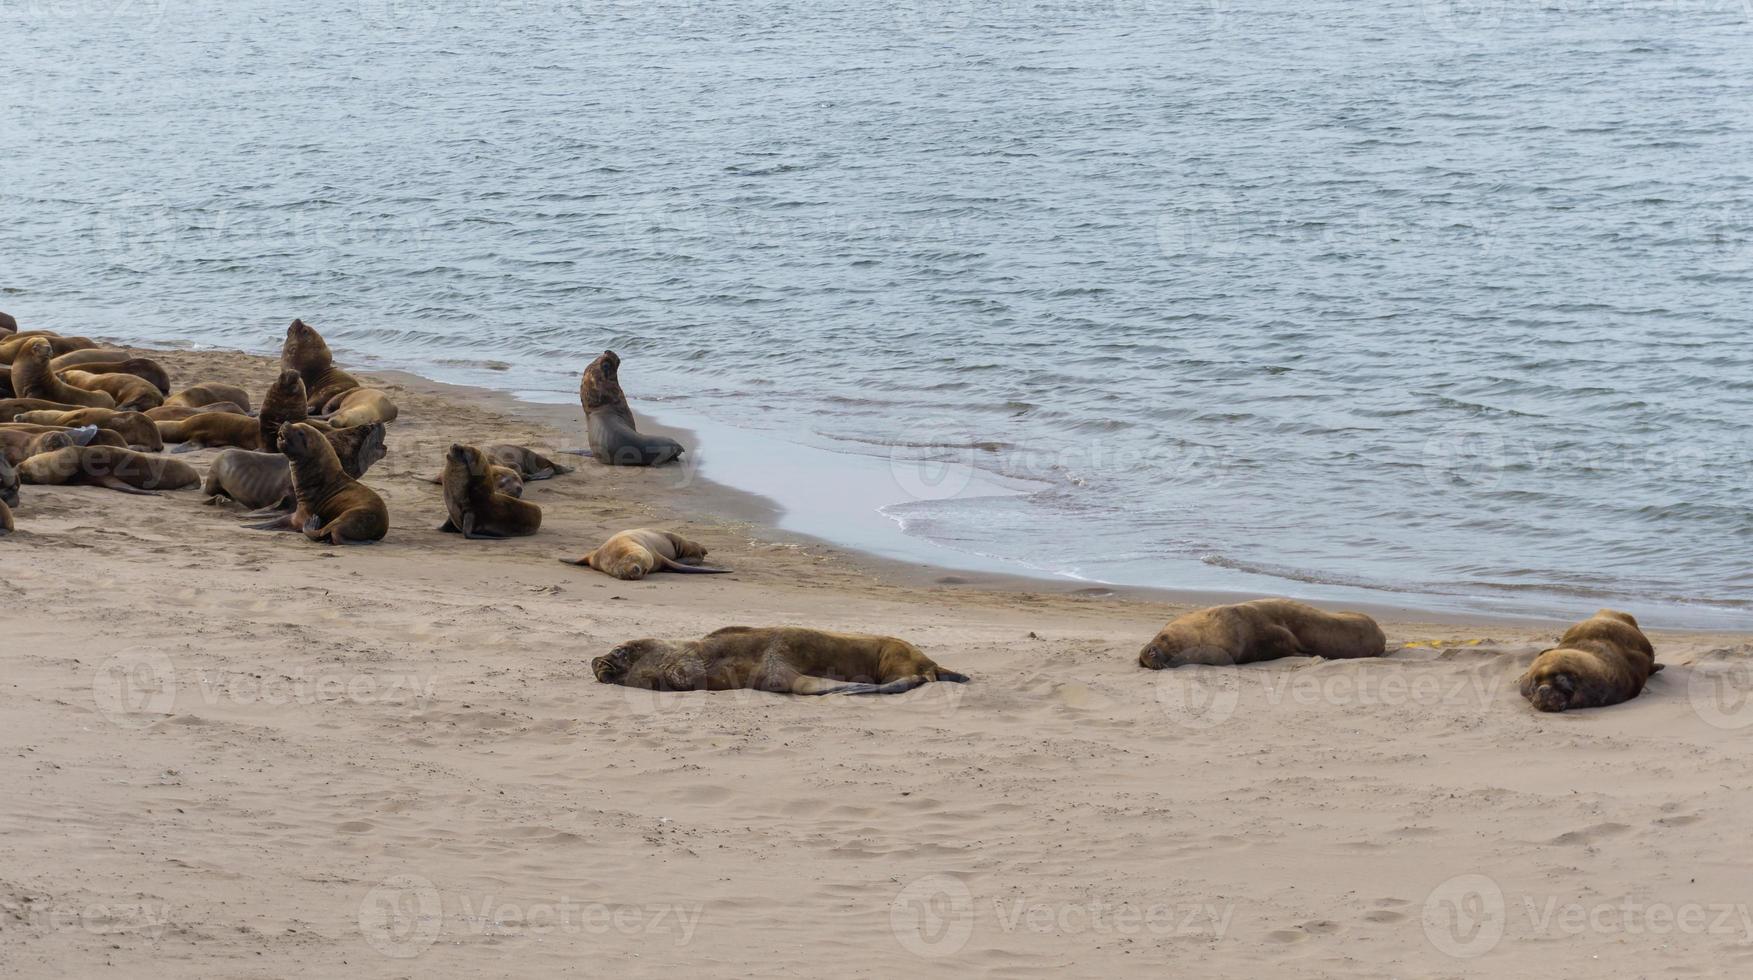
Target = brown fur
(332,506)
(360,406)
(177,413)
(58,344)
(18,445)
(108,466)
(1602,660)
(11,408)
(477,509)
(211,430)
(637,553)
(283,404)
(92,362)
(8,483)
(6,524)
(210,393)
(1264,629)
(784,659)
(138,431)
(615,439)
(8,324)
(306,352)
(131,393)
(528,463)
(264,480)
(31,378)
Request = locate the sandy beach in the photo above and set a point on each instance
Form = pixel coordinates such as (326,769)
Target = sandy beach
(240,754)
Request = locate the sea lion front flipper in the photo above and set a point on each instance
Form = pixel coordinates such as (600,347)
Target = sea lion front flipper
(113,483)
(585,561)
(671,565)
(188,447)
(1656,669)
(449,527)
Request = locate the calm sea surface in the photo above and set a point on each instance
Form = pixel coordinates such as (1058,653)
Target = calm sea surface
(1443,303)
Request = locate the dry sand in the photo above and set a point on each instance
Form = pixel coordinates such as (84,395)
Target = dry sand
(240,754)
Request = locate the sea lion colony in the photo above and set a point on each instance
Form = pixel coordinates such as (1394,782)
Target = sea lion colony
(73,412)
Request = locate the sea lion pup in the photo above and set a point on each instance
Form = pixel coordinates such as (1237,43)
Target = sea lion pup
(782,659)
(614,438)
(177,413)
(212,430)
(31,378)
(283,403)
(359,406)
(477,509)
(18,445)
(131,393)
(332,506)
(135,428)
(1264,629)
(144,368)
(263,481)
(307,353)
(637,553)
(58,344)
(210,393)
(111,467)
(1602,660)
(529,464)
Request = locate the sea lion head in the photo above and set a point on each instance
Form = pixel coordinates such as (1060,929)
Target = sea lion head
(613,667)
(48,442)
(1177,646)
(1550,691)
(471,458)
(298,439)
(8,483)
(305,351)
(36,350)
(289,385)
(601,385)
(367,449)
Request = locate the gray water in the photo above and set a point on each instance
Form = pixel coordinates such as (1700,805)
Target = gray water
(1445,303)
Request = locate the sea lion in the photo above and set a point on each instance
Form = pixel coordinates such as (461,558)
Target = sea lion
(108,466)
(637,553)
(58,344)
(211,430)
(131,393)
(8,323)
(135,428)
(31,378)
(210,393)
(18,445)
(177,413)
(476,508)
(11,408)
(359,406)
(332,506)
(8,483)
(6,525)
(1602,660)
(783,659)
(1264,629)
(307,353)
(144,368)
(614,437)
(528,463)
(504,479)
(87,355)
(263,481)
(283,403)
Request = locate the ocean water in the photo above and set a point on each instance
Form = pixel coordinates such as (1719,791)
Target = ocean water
(1445,303)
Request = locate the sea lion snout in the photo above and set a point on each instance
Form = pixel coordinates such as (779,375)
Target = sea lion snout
(613,666)
(1553,695)
(1152,657)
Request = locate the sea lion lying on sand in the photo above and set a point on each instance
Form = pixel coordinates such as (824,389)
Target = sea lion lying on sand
(332,506)
(614,438)
(637,553)
(11,408)
(108,466)
(18,445)
(476,508)
(1602,660)
(91,362)
(131,393)
(1264,629)
(529,464)
(58,344)
(178,413)
(263,481)
(212,429)
(135,428)
(31,378)
(783,659)
(359,406)
(306,352)
(210,393)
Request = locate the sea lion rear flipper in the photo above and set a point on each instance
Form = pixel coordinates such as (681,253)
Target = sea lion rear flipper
(113,483)
(585,561)
(188,447)
(281,523)
(805,684)
(576,452)
(951,676)
(671,565)
(1656,669)
(431,479)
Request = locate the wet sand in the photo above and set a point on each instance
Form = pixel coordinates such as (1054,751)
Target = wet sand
(242,754)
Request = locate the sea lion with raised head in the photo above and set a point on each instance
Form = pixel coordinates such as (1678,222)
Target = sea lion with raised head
(31,378)
(359,406)
(529,464)
(135,428)
(1602,660)
(1264,629)
(58,344)
(131,393)
(110,467)
(263,481)
(283,404)
(210,393)
(476,508)
(331,506)
(781,659)
(614,437)
(634,554)
(91,362)
(306,352)
(178,413)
